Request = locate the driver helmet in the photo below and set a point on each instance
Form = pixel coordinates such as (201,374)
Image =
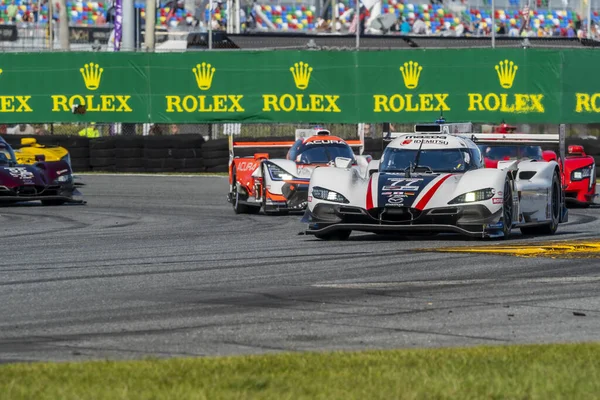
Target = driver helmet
(455,158)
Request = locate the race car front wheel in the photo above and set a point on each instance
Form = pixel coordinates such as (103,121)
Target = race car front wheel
(507,208)
(238,206)
(555,209)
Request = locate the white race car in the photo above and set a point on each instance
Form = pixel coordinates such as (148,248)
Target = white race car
(431,182)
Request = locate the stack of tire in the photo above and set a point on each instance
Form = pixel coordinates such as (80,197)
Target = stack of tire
(180,153)
(129,154)
(102,154)
(79,151)
(216,155)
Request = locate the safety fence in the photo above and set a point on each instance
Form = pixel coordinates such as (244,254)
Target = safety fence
(187,153)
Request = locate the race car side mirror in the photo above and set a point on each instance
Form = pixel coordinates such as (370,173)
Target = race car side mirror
(28,141)
(549,155)
(343,162)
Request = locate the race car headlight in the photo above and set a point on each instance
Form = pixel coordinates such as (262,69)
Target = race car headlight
(67,158)
(477,195)
(64,178)
(325,194)
(277,173)
(582,173)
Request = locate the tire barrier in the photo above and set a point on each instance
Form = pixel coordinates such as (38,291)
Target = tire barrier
(188,152)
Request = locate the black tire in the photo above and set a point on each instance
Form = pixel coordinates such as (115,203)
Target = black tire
(507,208)
(197,163)
(216,144)
(157,153)
(130,152)
(158,142)
(53,202)
(216,162)
(102,143)
(555,206)
(238,207)
(102,162)
(187,153)
(129,163)
(79,152)
(336,235)
(129,142)
(102,153)
(215,154)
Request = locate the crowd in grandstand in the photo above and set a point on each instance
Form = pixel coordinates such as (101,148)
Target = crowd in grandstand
(410,19)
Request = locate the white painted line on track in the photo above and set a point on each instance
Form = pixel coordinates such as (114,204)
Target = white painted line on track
(150,175)
(512,281)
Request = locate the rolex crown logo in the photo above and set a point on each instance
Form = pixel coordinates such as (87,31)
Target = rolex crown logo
(506,73)
(92,73)
(411,71)
(204,74)
(301,73)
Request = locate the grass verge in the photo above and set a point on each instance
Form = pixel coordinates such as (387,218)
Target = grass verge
(503,372)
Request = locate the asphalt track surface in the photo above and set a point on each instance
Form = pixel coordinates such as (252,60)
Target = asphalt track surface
(161,267)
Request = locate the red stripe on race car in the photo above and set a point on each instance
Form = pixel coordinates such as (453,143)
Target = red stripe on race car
(427,196)
(369,195)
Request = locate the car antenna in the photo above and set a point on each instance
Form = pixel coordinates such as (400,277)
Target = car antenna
(416,164)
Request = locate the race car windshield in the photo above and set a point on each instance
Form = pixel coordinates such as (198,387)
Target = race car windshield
(498,153)
(7,157)
(322,154)
(438,160)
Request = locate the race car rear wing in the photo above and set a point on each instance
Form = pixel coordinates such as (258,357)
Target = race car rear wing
(299,134)
(511,138)
(557,140)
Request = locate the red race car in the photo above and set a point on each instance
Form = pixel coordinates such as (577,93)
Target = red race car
(279,185)
(579,175)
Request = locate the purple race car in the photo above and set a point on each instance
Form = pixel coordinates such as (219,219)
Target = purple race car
(50,182)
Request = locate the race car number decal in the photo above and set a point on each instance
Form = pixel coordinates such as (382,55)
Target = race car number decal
(402,184)
(19,172)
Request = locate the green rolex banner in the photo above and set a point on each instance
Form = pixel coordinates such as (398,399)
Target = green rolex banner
(478,85)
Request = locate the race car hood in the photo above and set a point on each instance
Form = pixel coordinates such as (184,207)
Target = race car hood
(395,189)
(573,163)
(21,175)
(423,191)
(26,155)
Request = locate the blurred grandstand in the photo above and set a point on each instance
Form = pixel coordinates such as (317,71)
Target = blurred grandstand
(24,23)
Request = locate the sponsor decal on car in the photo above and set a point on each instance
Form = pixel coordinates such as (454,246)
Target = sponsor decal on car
(19,172)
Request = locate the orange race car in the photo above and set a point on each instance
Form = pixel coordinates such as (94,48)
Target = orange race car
(280,185)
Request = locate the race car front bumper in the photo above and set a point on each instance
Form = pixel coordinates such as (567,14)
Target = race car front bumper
(580,193)
(469,220)
(67,193)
